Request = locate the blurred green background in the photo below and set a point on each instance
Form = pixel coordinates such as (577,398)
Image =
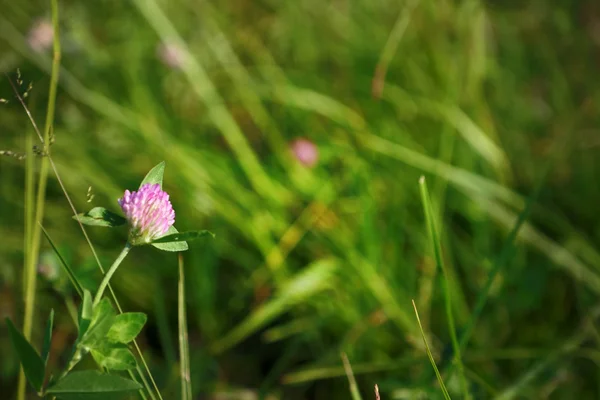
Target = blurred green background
(489,100)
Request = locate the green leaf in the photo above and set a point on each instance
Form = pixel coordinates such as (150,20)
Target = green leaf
(33,365)
(312,280)
(126,327)
(92,385)
(171,246)
(68,269)
(155,175)
(116,357)
(87,308)
(100,216)
(86,314)
(48,338)
(183,236)
(103,318)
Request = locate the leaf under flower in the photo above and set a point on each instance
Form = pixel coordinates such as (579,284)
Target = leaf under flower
(100,216)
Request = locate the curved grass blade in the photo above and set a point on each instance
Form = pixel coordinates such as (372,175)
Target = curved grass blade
(437,251)
(353,386)
(435,368)
(48,337)
(68,269)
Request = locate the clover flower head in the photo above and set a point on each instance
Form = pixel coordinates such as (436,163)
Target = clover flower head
(305,151)
(40,36)
(149,212)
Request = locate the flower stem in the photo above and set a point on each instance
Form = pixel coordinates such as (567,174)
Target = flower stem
(110,273)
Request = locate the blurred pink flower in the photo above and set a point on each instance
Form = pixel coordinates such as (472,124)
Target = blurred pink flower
(305,151)
(40,36)
(170,54)
(149,212)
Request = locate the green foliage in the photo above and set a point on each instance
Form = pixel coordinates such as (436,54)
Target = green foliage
(171,246)
(33,365)
(155,175)
(102,320)
(64,264)
(92,385)
(113,356)
(48,338)
(478,96)
(86,314)
(126,327)
(100,216)
(183,236)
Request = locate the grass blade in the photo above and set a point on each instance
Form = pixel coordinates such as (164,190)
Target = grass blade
(353,386)
(184,346)
(68,269)
(435,368)
(33,233)
(437,251)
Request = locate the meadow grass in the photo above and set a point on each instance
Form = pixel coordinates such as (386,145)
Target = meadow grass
(492,102)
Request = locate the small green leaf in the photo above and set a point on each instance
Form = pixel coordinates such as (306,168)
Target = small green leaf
(183,236)
(155,175)
(87,308)
(86,314)
(116,357)
(171,246)
(126,327)
(100,216)
(103,318)
(33,365)
(48,338)
(92,385)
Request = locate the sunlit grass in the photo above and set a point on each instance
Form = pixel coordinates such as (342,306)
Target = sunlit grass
(310,263)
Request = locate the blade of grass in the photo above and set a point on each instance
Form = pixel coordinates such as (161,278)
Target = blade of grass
(204,88)
(390,47)
(435,368)
(353,386)
(34,232)
(505,255)
(313,279)
(68,269)
(184,346)
(29,215)
(437,250)
(571,344)
(320,372)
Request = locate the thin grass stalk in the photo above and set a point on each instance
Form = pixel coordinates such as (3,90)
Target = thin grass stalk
(143,378)
(390,47)
(431,360)
(34,230)
(354,392)
(29,213)
(184,347)
(437,250)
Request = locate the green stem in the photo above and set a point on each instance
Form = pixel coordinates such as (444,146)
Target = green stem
(110,273)
(33,232)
